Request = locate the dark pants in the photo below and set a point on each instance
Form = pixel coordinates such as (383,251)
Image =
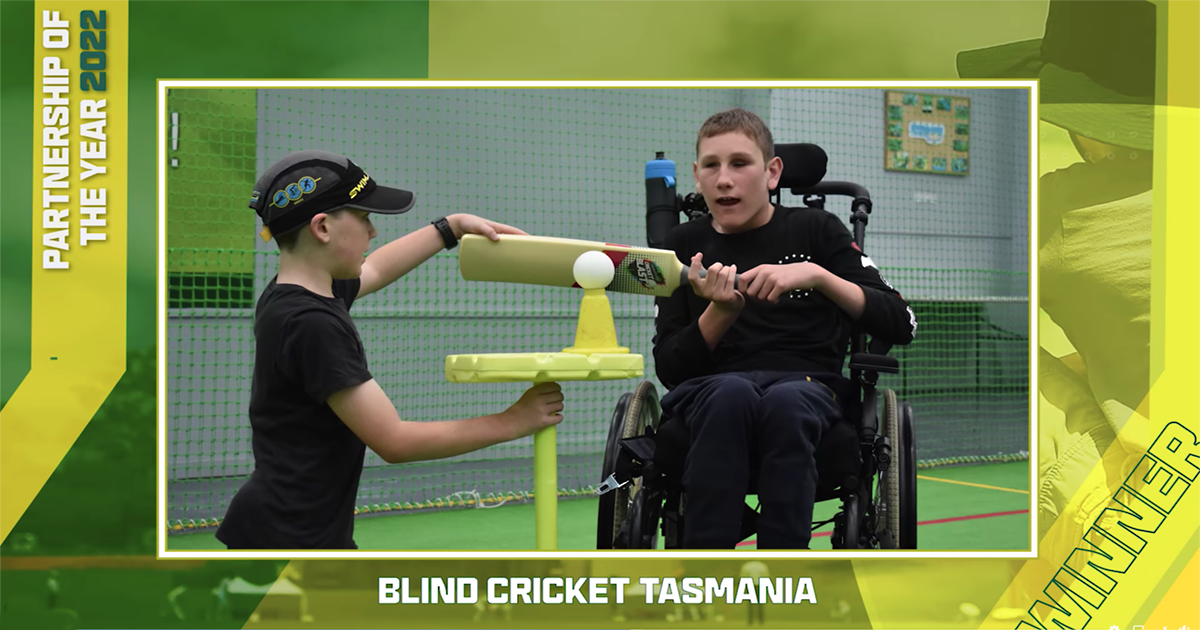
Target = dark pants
(756,612)
(770,420)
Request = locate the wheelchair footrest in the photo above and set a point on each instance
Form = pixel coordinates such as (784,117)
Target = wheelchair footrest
(638,449)
(636,458)
(874,362)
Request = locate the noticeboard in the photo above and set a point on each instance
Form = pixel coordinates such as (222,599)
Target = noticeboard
(927,133)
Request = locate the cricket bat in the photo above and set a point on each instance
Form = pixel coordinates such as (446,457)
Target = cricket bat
(550,261)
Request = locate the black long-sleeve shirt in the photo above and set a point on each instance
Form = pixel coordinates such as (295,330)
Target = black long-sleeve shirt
(804,331)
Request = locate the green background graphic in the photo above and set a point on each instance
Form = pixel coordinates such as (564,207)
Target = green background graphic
(83,554)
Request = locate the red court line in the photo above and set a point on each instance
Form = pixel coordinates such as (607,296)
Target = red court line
(967,518)
(919,523)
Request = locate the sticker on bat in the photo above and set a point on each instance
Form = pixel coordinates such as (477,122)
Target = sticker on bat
(647,273)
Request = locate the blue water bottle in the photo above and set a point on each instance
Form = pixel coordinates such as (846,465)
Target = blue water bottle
(662,206)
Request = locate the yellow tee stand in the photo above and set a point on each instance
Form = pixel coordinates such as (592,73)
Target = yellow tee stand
(594,357)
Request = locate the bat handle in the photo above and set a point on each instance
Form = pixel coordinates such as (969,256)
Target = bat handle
(736,278)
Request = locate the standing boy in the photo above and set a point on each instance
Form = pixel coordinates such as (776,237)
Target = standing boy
(314,405)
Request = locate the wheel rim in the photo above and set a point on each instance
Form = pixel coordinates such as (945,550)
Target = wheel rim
(889,529)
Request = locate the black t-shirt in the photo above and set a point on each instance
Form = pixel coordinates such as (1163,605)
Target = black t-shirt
(804,331)
(307,462)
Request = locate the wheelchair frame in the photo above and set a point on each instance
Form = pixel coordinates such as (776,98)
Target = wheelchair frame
(870,468)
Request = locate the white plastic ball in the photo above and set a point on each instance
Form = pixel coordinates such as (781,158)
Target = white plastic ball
(593,270)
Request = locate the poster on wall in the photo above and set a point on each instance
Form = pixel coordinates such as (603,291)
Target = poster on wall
(927,133)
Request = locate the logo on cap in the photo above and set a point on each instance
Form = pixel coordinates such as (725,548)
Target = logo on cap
(294,191)
(359,186)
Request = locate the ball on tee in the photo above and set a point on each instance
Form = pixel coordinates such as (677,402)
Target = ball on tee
(594,270)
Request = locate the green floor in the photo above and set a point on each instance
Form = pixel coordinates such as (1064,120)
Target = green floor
(511,527)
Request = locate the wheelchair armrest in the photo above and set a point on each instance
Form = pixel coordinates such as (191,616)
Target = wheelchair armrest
(874,362)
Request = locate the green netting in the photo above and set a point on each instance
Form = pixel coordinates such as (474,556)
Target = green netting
(568,163)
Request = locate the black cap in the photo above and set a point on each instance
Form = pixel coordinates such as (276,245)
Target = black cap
(306,183)
(1095,67)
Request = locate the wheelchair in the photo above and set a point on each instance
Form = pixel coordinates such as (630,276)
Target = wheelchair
(866,462)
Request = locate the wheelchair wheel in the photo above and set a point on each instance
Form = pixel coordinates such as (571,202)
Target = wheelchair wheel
(889,528)
(615,530)
(908,478)
(604,517)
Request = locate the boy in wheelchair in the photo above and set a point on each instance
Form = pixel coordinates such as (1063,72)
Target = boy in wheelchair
(753,362)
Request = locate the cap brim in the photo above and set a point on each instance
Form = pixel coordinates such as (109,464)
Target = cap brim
(1018,60)
(1129,126)
(1074,102)
(384,200)
(1067,99)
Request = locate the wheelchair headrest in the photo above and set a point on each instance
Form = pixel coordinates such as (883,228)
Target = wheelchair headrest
(803,165)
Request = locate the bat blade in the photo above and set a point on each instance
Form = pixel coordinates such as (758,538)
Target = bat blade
(550,261)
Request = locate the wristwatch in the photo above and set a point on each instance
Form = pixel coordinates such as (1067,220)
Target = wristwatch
(443,228)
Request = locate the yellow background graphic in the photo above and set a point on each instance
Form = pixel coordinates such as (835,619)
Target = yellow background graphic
(78,314)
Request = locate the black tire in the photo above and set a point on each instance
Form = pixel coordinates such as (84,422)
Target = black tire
(634,414)
(908,478)
(889,525)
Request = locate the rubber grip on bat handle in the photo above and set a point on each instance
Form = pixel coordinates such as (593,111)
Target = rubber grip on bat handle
(736,278)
